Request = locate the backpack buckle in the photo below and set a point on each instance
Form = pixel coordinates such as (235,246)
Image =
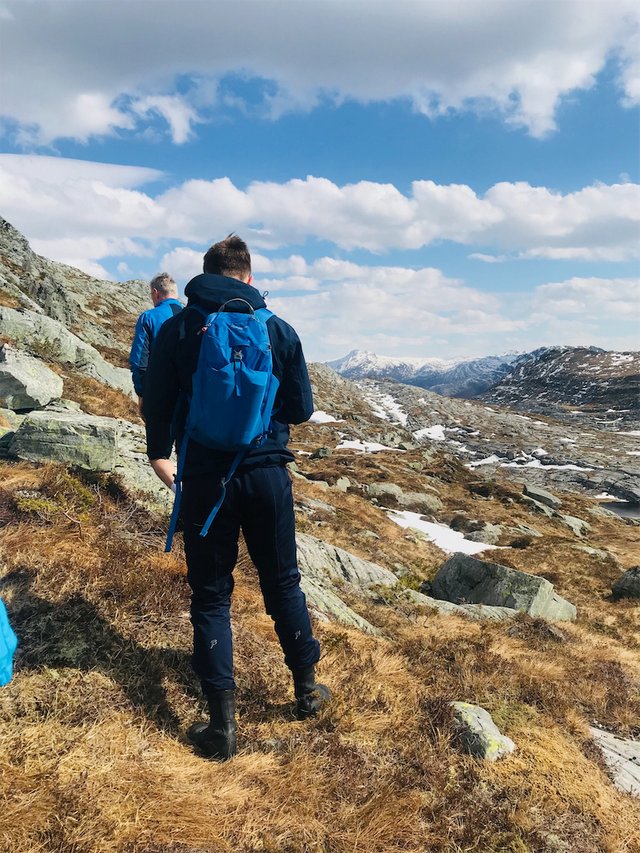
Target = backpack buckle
(237,355)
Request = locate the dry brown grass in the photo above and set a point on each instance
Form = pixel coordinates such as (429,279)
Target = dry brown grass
(93,755)
(118,357)
(7,300)
(95,398)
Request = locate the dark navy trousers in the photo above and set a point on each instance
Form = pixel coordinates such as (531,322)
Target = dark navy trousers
(260,502)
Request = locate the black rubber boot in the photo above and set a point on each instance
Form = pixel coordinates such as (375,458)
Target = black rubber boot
(217,738)
(310,696)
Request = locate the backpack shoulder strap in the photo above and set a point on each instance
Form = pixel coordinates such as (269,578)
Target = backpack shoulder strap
(263,314)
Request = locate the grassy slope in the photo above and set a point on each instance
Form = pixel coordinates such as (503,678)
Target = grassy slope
(92,748)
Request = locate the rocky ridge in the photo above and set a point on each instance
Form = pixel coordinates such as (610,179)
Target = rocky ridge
(570,382)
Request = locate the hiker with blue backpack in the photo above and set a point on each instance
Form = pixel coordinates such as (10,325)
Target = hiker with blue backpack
(232,376)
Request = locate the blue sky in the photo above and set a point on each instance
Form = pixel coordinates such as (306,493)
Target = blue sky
(427,179)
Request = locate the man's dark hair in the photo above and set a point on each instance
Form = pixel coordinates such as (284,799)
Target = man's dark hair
(229,257)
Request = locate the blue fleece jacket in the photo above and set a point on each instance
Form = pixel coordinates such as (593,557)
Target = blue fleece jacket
(147,328)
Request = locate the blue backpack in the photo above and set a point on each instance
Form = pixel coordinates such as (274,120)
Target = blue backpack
(8,645)
(232,395)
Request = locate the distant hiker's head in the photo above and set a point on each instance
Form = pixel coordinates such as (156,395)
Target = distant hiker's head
(163,287)
(229,257)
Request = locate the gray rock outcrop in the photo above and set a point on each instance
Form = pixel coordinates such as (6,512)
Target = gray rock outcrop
(542,496)
(329,606)
(62,433)
(479,612)
(322,565)
(488,533)
(623,483)
(577,525)
(321,561)
(56,343)
(478,733)
(622,757)
(465,579)
(392,494)
(25,382)
(628,584)
(87,441)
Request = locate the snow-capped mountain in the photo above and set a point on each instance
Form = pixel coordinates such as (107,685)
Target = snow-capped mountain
(466,377)
(586,378)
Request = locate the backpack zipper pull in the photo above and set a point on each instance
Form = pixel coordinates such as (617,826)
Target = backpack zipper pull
(237,366)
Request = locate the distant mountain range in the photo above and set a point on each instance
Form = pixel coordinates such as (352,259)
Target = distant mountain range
(586,378)
(550,380)
(468,377)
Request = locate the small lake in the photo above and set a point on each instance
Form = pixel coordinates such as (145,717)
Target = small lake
(622,508)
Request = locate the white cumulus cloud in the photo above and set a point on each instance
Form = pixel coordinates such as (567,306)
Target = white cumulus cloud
(51,198)
(88,69)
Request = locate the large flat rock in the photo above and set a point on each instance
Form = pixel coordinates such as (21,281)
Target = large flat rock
(622,757)
(318,559)
(466,580)
(479,612)
(70,437)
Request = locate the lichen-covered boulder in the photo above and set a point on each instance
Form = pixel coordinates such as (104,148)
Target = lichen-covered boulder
(87,441)
(25,382)
(467,580)
(478,733)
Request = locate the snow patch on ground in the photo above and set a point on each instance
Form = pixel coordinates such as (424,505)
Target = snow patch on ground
(521,463)
(323,418)
(488,460)
(631,432)
(448,540)
(605,496)
(366,446)
(385,407)
(435,433)
(535,463)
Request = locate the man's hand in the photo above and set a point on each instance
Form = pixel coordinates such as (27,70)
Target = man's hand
(140,408)
(165,471)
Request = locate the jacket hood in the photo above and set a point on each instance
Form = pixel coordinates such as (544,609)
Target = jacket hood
(211,291)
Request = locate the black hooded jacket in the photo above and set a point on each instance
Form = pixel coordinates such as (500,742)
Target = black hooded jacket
(175,358)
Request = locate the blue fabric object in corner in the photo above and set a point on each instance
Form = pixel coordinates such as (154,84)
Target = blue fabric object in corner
(8,645)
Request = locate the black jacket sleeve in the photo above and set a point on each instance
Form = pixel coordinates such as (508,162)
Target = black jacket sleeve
(294,402)
(161,391)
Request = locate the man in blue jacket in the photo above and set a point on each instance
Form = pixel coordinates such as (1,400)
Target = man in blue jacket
(164,295)
(259,497)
